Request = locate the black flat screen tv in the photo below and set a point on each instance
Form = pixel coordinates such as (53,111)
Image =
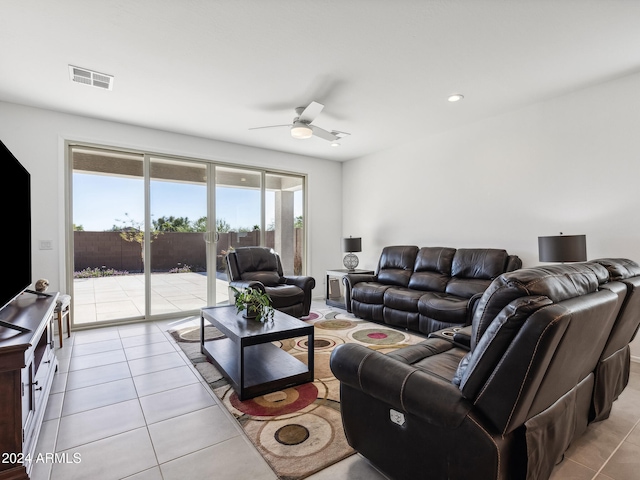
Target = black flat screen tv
(16,236)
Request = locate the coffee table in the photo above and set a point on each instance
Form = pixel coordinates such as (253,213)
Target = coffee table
(247,358)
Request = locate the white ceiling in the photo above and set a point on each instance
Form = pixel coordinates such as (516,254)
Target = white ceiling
(383,69)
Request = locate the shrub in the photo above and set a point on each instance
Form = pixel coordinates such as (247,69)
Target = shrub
(181,269)
(98,272)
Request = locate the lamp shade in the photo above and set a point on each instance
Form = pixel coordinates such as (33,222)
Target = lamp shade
(352,244)
(301,130)
(562,248)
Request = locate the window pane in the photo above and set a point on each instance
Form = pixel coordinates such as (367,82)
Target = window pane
(108,213)
(284,207)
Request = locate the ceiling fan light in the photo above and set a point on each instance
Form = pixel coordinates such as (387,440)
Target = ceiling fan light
(301,130)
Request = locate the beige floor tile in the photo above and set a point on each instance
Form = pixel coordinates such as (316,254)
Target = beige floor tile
(99,423)
(88,398)
(354,467)
(94,376)
(624,464)
(148,350)
(172,403)
(96,359)
(151,383)
(111,458)
(191,432)
(156,363)
(96,347)
(233,459)
(137,340)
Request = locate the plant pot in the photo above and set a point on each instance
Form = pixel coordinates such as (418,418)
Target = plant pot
(251,312)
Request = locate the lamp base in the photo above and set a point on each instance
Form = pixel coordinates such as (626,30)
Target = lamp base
(350,261)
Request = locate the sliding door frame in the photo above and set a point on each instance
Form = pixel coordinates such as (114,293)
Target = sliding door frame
(211,165)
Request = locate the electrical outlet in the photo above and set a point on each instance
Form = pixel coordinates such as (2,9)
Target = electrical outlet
(46,245)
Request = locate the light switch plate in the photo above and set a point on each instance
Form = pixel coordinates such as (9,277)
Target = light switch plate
(46,245)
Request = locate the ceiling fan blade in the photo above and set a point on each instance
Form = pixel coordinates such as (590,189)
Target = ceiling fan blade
(310,113)
(271,126)
(319,132)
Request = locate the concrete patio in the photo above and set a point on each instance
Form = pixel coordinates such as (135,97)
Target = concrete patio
(114,298)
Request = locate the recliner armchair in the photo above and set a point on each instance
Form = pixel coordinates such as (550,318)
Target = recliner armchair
(261,268)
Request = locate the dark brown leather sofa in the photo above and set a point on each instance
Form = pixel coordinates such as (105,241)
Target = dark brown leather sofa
(541,343)
(260,268)
(612,371)
(426,289)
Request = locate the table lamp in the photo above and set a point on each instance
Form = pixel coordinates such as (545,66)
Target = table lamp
(351,245)
(562,248)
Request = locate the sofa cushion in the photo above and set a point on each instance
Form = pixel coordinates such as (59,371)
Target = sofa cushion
(270,279)
(444,307)
(486,263)
(619,268)
(256,259)
(369,292)
(432,269)
(478,364)
(285,295)
(400,298)
(466,287)
(396,265)
(558,282)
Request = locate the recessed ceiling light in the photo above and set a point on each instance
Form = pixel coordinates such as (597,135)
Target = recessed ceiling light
(335,144)
(455,97)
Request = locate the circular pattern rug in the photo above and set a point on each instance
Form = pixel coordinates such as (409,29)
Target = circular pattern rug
(298,430)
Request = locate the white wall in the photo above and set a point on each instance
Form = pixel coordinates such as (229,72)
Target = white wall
(36,137)
(571,164)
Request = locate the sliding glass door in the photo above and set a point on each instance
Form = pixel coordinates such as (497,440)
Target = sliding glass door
(177,248)
(239,221)
(150,232)
(107,212)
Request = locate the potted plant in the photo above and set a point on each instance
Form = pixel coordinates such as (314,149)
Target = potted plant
(254,304)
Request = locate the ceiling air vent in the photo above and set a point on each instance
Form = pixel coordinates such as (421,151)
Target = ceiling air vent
(91,78)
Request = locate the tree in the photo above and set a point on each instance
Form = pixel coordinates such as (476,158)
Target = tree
(132,231)
(173,224)
(200,225)
(298,223)
(222,226)
(78,228)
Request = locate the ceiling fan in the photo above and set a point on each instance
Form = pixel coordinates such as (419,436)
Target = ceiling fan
(302,127)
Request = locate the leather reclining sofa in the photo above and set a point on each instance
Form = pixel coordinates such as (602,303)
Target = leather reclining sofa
(547,353)
(426,289)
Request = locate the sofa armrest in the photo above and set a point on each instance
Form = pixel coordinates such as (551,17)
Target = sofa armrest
(403,387)
(351,279)
(242,284)
(462,337)
(304,282)
(513,263)
(472,305)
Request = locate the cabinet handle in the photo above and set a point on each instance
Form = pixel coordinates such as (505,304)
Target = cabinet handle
(36,389)
(48,361)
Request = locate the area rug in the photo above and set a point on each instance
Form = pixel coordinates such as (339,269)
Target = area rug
(298,430)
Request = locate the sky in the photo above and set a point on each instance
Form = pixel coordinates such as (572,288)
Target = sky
(100,202)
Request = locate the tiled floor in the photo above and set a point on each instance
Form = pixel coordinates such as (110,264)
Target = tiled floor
(126,403)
